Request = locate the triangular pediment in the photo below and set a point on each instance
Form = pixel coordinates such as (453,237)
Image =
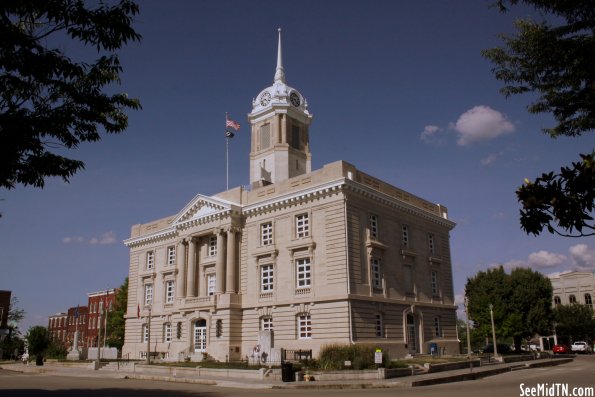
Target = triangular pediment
(201,207)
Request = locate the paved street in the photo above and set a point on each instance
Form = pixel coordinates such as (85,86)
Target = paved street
(580,373)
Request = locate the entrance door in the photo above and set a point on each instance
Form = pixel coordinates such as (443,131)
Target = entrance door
(200,336)
(411,334)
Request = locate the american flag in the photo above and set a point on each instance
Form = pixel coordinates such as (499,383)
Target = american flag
(138,310)
(232,124)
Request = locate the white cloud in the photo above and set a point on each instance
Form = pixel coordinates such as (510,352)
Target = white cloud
(72,240)
(537,260)
(106,238)
(481,123)
(489,159)
(582,257)
(430,134)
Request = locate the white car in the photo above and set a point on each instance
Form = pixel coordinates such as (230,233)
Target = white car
(581,347)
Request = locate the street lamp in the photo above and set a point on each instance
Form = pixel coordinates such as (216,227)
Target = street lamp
(468,333)
(149,337)
(99,335)
(493,330)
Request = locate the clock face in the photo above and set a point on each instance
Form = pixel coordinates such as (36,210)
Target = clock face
(265,99)
(295,99)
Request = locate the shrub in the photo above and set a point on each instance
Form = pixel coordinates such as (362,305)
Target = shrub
(333,357)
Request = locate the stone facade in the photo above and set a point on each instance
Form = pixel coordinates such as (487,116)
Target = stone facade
(317,257)
(573,287)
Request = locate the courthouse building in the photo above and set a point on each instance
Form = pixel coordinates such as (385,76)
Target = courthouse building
(317,257)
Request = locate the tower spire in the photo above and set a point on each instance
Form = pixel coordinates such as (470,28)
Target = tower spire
(279,72)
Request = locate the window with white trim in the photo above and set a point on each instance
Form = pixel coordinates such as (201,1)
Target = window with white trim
(431,244)
(588,300)
(150,260)
(379,326)
(211,283)
(557,300)
(405,236)
(376,275)
(572,299)
(169,291)
(212,251)
(266,323)
(171,256)
(373,226)
(145,333)
(148,294)
(266,233)
(303,273)
(302,225)
(304,323)
(167,332)
(266,278)
(434,282)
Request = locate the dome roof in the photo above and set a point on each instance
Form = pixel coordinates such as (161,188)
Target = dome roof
(279,94)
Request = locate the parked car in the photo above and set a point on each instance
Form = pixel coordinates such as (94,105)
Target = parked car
(581,347)
(561,349)
(502,348)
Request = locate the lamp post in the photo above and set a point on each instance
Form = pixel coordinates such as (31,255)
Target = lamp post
(99,335)
(468,333)
(493,330)
(149,337)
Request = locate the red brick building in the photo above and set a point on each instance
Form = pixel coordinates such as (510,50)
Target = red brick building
(57,327)
(77,319)
(99,300)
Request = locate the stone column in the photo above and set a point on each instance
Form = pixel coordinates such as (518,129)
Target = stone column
(284,129)
(220,264)
(231,261)
(181,259)
(191,280)
(199,270)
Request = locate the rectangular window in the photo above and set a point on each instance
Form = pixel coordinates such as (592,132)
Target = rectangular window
(304,326)
(295,137)
(167,332)
(266,324)
(145,333)
(266,278)
(376,275)
(171,256)
(405,238)
(437,327)
(266,233)
(303,273)
(302,226)
(373,226)
(211,284)
(148,294)
(150,260)
(169,291)
(434,279)
(408,279)
(379,326)
(212,246)
(431,245)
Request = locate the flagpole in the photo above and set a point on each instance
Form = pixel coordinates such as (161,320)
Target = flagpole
(226,156)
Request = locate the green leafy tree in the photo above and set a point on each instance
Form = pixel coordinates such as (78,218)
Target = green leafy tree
(15,314)
(555,62)
(38,339)
(575,322)
(116,322)
(521,303)
(49,101)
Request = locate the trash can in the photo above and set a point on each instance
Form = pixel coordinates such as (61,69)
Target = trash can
(287,372)
(433,349)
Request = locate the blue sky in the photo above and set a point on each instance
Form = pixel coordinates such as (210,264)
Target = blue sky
(397,88)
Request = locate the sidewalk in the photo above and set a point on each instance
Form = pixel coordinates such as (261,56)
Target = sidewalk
(407,381)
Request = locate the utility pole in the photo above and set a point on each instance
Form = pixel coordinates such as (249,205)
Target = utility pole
(99,335)
(468,333)
(493,330)
(149,337)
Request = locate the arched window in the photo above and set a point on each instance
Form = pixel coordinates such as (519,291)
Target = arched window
(588,300)
(557,300)
(572,299)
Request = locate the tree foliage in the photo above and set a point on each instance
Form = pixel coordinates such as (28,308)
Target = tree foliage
(116,322)
(556,63)
(575,321)
(521,302)
(561,203)
(48,101)
(38,338)
(15,315)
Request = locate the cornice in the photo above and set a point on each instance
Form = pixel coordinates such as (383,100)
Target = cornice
(162,234)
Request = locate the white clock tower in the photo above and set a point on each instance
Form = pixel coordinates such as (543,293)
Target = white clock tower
(280,122)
